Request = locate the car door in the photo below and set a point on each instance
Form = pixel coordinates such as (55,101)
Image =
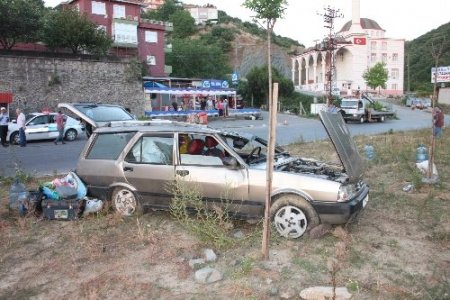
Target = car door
(148,167)
(202,165)
(37,128)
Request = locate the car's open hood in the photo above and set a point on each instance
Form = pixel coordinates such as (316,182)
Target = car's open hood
(98,115)
(343,143)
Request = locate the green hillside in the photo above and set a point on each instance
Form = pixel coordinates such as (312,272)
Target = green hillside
(418,55)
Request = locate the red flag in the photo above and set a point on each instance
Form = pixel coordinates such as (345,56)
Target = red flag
(359,41)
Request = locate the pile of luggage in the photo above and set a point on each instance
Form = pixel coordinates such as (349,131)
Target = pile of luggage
(62,198)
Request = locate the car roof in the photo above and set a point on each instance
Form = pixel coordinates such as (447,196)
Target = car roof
(156,126)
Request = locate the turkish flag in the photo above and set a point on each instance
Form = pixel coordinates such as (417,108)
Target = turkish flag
(359,41)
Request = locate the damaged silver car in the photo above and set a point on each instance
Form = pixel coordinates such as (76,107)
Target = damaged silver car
(131,163)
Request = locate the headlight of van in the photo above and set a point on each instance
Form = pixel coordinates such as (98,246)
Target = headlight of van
(345,193)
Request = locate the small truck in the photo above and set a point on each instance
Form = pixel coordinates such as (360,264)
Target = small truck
(364,109)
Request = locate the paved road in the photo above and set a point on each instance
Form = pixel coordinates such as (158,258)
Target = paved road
(45,158)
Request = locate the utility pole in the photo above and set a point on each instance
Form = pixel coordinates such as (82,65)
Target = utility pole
(330,45)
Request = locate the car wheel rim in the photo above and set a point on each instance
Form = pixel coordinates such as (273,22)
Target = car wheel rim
(290,222)
(125,202)
(16,139)
(71,135)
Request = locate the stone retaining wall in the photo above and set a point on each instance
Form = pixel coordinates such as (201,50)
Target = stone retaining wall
(42,82)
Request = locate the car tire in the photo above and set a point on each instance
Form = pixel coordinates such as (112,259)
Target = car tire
(362,120)
(125,202)
(14,138)
(71,135)
(293,216)
(381,119)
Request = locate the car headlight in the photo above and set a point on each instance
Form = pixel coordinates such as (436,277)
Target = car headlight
(345,193)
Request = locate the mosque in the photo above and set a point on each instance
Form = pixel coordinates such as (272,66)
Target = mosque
(361,43)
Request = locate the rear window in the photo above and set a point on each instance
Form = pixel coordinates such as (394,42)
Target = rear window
(109,145)
(103,113)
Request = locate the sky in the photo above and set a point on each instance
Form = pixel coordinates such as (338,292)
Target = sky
(403,19)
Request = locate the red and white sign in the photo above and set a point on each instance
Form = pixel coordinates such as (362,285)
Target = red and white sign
(359,41)
(442,75)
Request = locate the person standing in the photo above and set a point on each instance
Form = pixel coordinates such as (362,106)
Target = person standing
(60,123)
(438,119)
(4,119)
(21,123)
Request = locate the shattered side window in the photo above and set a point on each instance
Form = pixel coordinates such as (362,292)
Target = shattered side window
(109,145)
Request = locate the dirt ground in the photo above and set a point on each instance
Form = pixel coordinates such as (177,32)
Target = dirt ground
(398,248)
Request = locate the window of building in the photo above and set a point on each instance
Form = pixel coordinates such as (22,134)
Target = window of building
(384,57)
(394,86)
(384,46)
(151,60)
(395,57)
(118,11)
(151,36)
(373,57)
(98,8)
(125,33)
(373,45)
(394,73)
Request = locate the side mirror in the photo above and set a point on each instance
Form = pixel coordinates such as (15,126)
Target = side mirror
(231,162)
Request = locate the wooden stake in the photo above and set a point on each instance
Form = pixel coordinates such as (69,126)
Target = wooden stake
(269,170)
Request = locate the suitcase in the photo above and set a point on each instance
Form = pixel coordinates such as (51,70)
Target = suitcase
(65,209)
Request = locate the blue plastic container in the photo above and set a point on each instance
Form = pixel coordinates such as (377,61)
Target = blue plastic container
(370,151)
(421,153)
(17,194)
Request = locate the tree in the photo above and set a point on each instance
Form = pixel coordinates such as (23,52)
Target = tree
(69,29)
(164,12)
(376,76)
(20,21)
(257,86)
(193,58)
(268,11)
(183,24)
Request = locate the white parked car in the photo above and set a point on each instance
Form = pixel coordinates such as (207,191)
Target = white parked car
(42,126)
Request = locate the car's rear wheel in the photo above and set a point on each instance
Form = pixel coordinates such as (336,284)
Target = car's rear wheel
(292,216)
(362,120)
(381,119)
(71,135)
(14,138)
(125,202)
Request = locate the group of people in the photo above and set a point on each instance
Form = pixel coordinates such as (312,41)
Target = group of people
(4,120)
(60,121)
(209,103)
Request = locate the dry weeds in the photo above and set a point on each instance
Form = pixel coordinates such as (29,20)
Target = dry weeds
(398,248)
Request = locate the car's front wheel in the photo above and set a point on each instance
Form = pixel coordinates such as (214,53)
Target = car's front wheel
(14,138)
(125,202)
(292,216)
(71,135)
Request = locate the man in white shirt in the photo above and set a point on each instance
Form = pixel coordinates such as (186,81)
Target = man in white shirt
(21,123)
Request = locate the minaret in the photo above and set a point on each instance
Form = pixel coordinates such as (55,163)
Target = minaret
(356,19)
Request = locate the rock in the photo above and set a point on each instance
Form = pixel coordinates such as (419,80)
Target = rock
(196,263)
(320,230)
(238,234)
(273,291)
(209,255)
(208,275)
(325,293)
(287,294)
